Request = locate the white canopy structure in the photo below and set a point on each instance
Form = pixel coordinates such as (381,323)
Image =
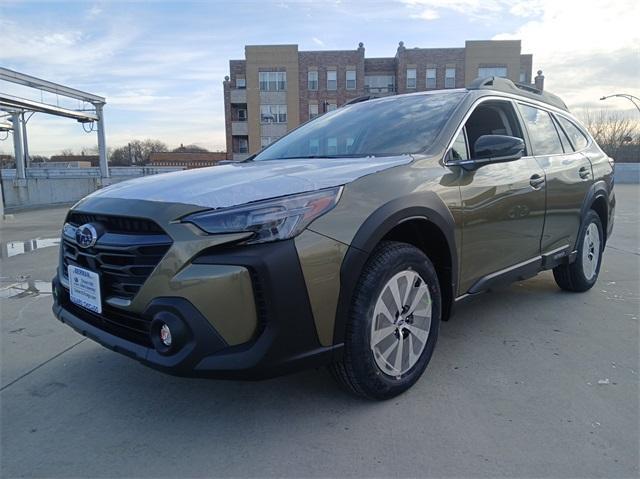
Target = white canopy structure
(16,107)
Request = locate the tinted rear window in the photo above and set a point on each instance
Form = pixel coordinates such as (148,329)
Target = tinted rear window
(578,139)
(542,132)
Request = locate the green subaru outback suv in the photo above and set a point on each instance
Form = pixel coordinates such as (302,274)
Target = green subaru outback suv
(344,243)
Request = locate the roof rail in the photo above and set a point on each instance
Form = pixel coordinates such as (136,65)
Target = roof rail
(507,86)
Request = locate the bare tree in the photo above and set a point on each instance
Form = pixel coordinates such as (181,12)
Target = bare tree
(618,135)
(137,152)
(190,149)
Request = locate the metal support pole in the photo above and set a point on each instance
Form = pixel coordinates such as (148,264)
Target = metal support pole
(25,143)
(18,146)
(102,147)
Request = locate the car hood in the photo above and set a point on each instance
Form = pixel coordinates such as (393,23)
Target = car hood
(239,183)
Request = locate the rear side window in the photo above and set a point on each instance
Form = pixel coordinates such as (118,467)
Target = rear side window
(542,132)
(578,139)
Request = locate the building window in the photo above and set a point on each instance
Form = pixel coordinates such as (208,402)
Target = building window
(484,72)
(243,145)
(523,77)
(314,146)
(431,78)
(346,145)
(273,113)
(332,146)
(411,78)
(351,79)
(331,106)
(312,80)
(380,83)
(241,83)
(450,78)
(313,110)
(332,80)
(242,114)
(265,141)
(273,81)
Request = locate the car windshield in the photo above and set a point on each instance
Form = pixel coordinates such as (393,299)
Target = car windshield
(385,127)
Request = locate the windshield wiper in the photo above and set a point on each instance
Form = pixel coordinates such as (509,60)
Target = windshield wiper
(346,155)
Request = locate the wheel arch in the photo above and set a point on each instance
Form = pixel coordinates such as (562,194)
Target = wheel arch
(413,219)
(597,199)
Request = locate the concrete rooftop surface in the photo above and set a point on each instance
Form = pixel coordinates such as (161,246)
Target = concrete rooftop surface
(525,381)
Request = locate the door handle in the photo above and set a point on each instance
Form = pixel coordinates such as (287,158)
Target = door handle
(536,181)
(584,172)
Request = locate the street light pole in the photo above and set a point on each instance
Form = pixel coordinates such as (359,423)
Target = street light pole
(631,98)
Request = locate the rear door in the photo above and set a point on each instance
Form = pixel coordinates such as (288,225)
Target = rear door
(568,176)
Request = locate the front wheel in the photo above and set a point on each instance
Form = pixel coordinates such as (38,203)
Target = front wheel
(582,274)
(393,323)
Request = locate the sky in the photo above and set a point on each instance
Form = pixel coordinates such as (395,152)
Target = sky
(161,64)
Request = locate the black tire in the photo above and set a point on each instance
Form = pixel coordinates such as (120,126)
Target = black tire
(572,277)
(357,371)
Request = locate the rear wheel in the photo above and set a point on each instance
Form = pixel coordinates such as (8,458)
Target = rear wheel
(393,323)
(582,274)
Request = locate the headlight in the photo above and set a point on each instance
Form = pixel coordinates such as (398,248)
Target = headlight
(270,220)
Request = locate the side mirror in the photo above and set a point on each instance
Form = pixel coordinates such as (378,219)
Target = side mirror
(497,149)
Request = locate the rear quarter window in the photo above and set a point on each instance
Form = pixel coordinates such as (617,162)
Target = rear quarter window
(578,139)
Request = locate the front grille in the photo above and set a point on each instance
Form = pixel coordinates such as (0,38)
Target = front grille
(126,325)
(116,224)
(124,256)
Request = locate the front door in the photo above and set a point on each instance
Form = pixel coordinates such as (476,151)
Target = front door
(503,204)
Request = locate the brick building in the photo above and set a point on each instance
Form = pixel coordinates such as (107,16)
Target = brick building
(277,87)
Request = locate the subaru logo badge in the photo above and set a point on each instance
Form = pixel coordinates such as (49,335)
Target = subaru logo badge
(86,235)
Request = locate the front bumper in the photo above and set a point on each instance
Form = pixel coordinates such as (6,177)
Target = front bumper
(286,340)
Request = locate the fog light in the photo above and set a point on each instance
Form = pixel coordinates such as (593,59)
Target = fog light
(165,335)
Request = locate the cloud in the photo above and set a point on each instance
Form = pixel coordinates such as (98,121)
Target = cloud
(317,41)
(586,49)
(428,14)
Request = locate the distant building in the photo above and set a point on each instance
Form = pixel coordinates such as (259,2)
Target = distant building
(277,87)
(94,160)
(186,160)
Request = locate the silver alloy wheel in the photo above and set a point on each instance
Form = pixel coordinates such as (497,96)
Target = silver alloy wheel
(401,323)
(590,251)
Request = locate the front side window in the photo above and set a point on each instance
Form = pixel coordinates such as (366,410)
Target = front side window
(450,78)
(411,78)
(459,148)
(431,78)
(383,127)
(542,132)
(578,139)
(312,80)
(332,80)
(351,79)
(484,72)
